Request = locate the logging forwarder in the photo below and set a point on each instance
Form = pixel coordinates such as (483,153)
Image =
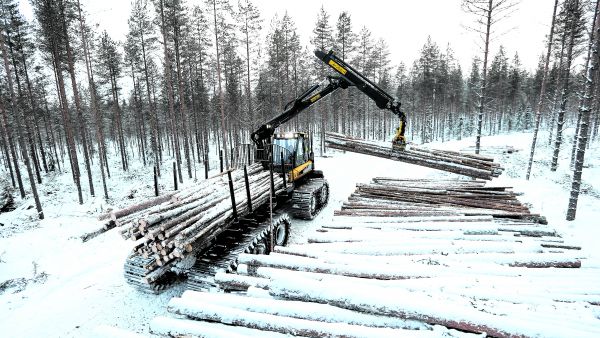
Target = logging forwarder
(306,190)
(291,154)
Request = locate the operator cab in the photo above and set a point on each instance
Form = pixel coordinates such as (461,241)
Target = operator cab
(294,152)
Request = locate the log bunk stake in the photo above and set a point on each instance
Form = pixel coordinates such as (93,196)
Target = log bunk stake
(407,258)
(477,166)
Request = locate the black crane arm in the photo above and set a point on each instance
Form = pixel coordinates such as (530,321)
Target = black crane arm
(348,77)
(382,99)
(311,96)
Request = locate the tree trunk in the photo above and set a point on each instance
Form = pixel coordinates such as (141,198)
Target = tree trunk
(538,109)
(11,144)
(170,97)
(80,120)
(182,106)
(585,111)
(566,78)
(154,141)
(221,95)
(19,118)
(482,90)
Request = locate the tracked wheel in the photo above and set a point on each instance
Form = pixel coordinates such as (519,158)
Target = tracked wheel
(310,198)
(324,195)
(281,230)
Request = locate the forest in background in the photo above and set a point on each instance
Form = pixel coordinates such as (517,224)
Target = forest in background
(194,77)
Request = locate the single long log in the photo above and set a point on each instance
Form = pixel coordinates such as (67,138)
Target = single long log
(423,307)
(294,309)
(114,215)
(173,327)
(285,325)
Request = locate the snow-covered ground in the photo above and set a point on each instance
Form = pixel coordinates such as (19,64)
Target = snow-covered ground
(57,286)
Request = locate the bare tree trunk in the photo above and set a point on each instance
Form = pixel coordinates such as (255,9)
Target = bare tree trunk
(94,104)
(68,129)
(248,91)
(153,118)
(538,109)
(170,96)
(19,119)
(80,120)
(565,90)
(3,133)
(221,96)
(182,106)
(585,110)
(583,97)
(11,144)
(482,90)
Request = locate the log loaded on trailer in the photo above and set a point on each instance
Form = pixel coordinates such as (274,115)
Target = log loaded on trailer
(201,232)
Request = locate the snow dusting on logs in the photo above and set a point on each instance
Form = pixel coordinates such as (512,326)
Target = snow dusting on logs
(390,264)
(181,224)
(472,165)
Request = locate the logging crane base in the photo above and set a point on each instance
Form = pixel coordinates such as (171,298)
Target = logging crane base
(310,198)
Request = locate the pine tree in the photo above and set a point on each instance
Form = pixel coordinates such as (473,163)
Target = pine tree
(584,110)
(488,13)
(345,46)
(249,17)
(572,30)
(19,118)
(141,34)
(51,20)
(110,62)
(103,162)
(323,41)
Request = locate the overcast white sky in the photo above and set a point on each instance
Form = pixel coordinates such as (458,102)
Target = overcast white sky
(404,24)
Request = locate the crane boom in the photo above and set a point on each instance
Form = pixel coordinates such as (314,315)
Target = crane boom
(348,76)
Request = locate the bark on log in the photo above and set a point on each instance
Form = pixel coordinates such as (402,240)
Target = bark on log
(300,310)
(409,305)
(454,162)
(284,325)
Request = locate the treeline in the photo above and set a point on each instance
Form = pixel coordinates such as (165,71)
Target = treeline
(193,77)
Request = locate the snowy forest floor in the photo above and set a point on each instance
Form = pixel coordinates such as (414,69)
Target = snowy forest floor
(54,285)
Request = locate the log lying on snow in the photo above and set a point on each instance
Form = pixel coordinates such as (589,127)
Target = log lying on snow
(459,163)
(430,308)
(175,226)
(252,317)
(293,309)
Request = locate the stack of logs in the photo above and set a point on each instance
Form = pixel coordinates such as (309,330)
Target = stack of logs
(425,197)
(472,165)
(415,275)
(175,225)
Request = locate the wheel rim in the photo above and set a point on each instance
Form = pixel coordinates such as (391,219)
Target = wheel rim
(313,204)
(325,194)
(280,234)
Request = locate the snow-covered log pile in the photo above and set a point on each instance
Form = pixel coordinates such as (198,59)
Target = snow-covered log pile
(418,275)
(188,220)
(472,165)
(401,197)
